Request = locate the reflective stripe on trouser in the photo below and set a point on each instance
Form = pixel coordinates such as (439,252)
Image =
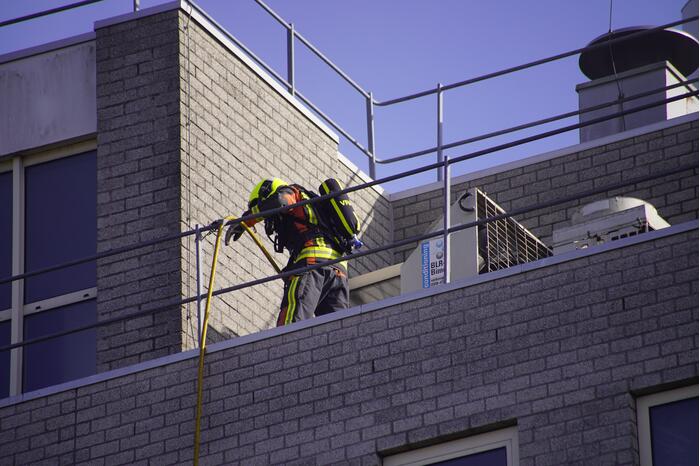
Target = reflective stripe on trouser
(318,252)
(313,293)
(315,254)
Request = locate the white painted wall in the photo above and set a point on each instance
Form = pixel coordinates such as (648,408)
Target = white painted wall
(47,97)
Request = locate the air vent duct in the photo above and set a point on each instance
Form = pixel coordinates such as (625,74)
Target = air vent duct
(607,220)
(637,63)
(481,249)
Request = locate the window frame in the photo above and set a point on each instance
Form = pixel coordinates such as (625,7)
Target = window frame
(16,164)
(644,403)
(507,437)
(6,166)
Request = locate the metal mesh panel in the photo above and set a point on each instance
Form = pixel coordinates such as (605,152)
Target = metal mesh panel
(505,243)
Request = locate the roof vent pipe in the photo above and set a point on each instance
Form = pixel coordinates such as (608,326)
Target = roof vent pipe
(628,67)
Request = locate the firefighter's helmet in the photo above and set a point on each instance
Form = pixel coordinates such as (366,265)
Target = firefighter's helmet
(262,191)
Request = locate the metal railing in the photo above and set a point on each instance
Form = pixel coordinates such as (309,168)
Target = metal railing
(443,165)
(292,36)
(60,9)
(445,231)
(438,91)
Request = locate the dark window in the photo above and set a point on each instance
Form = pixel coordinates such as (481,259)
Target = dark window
(61,225)
(64,358)
(4,359)
(5,239)
(495,457)
(674,433)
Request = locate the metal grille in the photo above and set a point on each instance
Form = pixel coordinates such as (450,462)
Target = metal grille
(504,243)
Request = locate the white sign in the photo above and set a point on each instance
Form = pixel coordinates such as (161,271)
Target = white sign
(432,262)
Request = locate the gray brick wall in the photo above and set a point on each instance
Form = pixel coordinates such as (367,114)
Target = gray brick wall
(185,130)
(138,186)
(675,197)
(242,130)
(560,351)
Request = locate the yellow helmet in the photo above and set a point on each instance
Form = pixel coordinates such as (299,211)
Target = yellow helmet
(262,191)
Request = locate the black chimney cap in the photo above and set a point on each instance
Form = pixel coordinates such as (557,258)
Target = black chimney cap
(677,47)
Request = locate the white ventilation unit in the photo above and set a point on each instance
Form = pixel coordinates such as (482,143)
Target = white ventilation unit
(480,249)
(607,220)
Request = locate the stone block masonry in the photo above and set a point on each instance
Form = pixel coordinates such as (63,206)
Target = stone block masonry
(559,351)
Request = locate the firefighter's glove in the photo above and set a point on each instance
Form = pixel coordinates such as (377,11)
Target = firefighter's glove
(234,230)
(213,226)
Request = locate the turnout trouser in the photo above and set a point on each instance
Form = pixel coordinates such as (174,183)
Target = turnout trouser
(313,293)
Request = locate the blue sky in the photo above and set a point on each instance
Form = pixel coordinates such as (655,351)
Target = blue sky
(399,47)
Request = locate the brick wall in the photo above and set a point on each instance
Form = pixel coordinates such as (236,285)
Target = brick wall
(558,351)
(241,130)
(138,187)
(675,197)
(185,130)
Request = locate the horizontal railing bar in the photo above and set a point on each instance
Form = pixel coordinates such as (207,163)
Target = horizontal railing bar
(434,165)
(317,52)
(335,68)
(335,125)
(359,88)
(532,63)
(564,129)
(350,189)
(48,12)
(357,255)
(457,228)
(456,160)
(535,123)
(276,75)
(273,13)
(101,255)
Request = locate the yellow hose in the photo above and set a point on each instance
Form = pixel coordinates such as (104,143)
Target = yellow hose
(264,250)
(202,346)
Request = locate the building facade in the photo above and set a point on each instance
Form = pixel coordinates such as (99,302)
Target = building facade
(157,123)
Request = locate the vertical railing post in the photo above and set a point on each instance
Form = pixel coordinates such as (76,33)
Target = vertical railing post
(290,58)
(446,217)
(198,262)
(370,137)
(137,5)
(439,130)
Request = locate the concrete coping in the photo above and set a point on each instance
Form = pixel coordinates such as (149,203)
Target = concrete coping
(357,310)
(48,47)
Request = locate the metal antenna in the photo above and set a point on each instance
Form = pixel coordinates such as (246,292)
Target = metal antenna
(620,94)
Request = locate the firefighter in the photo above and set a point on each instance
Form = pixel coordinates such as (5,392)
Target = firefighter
(299,231)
